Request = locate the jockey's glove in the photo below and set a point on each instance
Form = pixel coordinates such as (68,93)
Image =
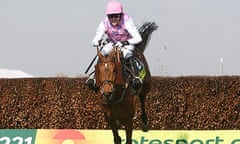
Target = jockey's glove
(121,44)
(102,42)
(125,43)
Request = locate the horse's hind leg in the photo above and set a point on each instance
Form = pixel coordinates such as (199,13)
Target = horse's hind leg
(145,123)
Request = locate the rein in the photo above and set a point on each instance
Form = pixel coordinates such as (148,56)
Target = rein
(121,98)
(111,97)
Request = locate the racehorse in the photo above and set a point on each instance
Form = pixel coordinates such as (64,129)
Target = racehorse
(115,89)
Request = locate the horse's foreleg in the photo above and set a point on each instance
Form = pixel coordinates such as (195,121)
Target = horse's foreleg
(113,124)
(145,123)
(129,130)
(117,138)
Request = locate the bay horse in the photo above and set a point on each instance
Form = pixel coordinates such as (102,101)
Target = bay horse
(115,89)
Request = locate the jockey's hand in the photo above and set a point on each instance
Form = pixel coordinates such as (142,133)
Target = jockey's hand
(103,42)
(100,42)
(121,44)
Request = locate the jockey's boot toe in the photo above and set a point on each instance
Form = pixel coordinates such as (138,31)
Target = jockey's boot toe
(137,83)
(91,83)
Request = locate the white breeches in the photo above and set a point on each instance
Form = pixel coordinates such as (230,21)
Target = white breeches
(126,50)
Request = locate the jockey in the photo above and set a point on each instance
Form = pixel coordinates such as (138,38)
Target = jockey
(121,32)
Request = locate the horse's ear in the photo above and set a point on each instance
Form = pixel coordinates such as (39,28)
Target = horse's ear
(99,54)
(112,52)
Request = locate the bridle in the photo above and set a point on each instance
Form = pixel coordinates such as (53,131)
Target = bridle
(108,89)
(107,82)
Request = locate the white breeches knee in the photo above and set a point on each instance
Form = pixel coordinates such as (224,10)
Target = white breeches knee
(126,50)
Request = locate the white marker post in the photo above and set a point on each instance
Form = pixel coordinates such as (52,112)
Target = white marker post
(221,66)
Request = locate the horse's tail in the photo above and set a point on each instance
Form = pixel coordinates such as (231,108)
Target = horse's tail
(145,31)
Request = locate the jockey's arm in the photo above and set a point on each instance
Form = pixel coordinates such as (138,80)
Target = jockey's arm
(99,34)
(131,28)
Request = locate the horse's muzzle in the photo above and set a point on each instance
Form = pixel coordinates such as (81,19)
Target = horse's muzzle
(107,95)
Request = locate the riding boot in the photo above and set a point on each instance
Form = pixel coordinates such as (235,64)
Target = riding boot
(91,83)
(137,81)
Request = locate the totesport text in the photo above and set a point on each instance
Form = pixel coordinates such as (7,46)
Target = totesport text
(85,136)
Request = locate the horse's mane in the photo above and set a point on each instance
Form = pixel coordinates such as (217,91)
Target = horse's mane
(145,31)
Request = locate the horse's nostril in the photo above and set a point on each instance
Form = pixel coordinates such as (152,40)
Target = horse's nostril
(107,94)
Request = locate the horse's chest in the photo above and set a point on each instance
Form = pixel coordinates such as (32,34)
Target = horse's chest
(118,113)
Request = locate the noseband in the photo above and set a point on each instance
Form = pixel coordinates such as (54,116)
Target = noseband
(109,99)
(107,82)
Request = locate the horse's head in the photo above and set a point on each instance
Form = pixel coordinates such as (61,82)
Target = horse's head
(106,75)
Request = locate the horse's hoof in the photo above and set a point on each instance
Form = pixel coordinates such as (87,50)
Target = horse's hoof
(145,127)
(118,140)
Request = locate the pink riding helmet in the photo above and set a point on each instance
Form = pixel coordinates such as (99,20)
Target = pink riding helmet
(114,7)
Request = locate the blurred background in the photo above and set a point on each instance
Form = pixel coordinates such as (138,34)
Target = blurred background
(46,38)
